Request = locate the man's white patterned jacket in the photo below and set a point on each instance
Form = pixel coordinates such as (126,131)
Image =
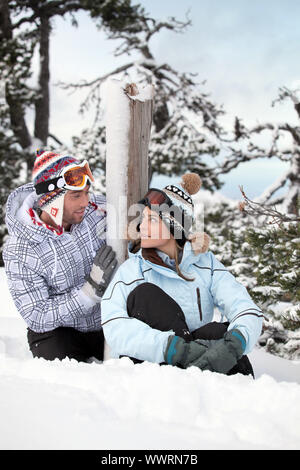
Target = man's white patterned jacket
(46,269)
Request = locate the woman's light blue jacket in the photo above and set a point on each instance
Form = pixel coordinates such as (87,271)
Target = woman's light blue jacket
(213,286)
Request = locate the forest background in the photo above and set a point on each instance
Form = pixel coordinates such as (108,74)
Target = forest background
(227,106)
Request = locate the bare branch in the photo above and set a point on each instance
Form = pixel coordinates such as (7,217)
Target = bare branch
(49,9)
(97,80)
(52,136)
(255,209)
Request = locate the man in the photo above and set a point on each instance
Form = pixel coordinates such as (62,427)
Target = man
(56,258)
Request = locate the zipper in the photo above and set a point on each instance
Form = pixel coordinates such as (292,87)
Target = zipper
(199,302)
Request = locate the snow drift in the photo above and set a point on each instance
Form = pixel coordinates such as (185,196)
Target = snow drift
(118,405)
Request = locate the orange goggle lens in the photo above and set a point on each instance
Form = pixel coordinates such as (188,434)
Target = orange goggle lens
(77,176)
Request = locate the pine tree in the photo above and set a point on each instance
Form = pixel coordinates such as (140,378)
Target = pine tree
(260,246)
(275,262)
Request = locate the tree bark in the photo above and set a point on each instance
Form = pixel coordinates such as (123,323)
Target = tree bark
(295,182)
(128,129)
(128,126)
(42,109)
(16,111)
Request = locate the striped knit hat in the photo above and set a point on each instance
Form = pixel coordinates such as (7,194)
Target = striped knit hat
(183,224)
(181,221)
(47,166)
(177,212)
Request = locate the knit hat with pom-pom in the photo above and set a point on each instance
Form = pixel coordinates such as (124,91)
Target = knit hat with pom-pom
(181,216)
(178,211)
(180,196)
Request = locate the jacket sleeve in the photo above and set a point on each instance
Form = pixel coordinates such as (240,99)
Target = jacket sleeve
(41,310)
(125,335)
(233,300)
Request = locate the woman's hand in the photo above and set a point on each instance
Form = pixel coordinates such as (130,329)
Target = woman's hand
(183,353)
(224,353)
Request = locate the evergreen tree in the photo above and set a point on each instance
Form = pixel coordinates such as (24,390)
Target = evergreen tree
(274,241)
(260,246)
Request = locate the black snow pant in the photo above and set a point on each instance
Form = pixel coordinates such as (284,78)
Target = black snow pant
(150,304)
(66,342)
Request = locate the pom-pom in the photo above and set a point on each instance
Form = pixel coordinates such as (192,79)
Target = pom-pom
(133,233)
(200,242)
(191,183)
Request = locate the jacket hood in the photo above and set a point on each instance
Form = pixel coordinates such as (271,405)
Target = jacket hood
(20,218)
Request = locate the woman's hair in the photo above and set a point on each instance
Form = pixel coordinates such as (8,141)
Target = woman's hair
(136,245)
(178,251)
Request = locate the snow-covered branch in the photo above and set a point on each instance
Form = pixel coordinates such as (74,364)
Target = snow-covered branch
(268,193)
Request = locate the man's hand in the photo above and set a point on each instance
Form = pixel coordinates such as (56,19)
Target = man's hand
(101,273)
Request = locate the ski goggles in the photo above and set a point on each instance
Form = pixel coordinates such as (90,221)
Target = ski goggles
(155,197)
(171,214)
(158,197)
(74,177)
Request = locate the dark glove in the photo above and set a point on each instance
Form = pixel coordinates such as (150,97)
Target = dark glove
(182,353)
(223,354)
(101,273)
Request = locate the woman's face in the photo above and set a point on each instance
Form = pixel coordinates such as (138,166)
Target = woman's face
(154,233)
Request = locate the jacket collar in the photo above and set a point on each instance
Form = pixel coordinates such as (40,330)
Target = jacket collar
(151,254)
(188,258)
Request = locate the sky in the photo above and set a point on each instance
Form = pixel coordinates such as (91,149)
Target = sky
(244,50)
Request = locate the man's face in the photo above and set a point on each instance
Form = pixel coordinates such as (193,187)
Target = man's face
(75,204)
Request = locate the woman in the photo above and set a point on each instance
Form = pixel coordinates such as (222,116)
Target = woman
(160,304)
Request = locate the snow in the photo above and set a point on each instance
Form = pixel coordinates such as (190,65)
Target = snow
(144,94)
(117,121)
(118,405)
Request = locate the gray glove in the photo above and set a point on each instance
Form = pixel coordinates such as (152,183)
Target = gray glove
(101,273)
(223,354)
(182,353)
